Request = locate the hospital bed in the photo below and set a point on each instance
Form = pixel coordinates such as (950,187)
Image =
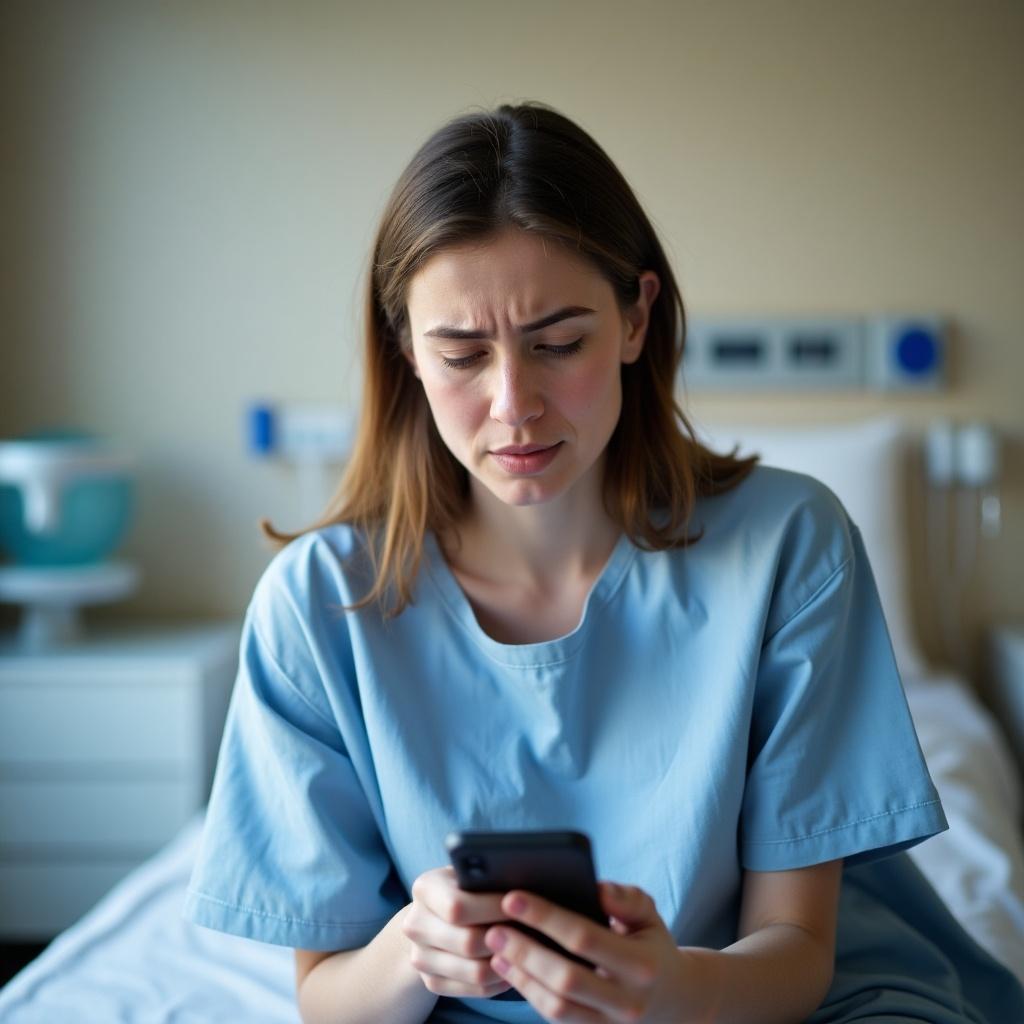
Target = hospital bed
(133,958)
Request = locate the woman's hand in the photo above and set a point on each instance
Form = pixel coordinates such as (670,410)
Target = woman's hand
(640,974)
(446,927)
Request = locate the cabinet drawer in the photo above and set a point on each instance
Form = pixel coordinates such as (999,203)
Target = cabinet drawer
(40,899)
(65,724)
(138,815)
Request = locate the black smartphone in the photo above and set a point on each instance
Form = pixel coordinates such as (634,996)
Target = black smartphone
(556,865)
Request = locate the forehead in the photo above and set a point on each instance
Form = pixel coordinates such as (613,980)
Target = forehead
(514,276)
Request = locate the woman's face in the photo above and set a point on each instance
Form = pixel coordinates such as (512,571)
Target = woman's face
(519,347)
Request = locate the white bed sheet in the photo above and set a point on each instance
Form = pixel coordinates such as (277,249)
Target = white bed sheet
(133,958)
(977,865)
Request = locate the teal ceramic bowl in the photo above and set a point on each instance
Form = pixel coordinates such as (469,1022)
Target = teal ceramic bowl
(94,505)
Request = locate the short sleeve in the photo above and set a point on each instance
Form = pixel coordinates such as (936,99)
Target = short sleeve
(290,852)
(835,769)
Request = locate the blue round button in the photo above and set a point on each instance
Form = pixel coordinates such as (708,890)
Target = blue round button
(916,351)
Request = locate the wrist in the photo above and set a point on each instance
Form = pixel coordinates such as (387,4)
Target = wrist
(699,984)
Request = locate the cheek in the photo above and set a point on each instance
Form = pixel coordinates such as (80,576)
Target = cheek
(455,407)
(594,393)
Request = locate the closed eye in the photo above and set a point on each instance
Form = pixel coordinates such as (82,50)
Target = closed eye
(462,363)
(558,351)
(565,350)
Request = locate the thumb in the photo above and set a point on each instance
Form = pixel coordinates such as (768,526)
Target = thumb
(628,904)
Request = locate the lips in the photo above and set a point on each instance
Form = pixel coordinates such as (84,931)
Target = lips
(521,449)
(526,459)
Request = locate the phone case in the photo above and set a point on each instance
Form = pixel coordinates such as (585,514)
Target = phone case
(556,865)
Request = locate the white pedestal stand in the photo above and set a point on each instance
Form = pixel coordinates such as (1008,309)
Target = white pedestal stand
(52,597)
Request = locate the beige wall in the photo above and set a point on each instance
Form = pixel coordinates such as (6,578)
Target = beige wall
(190,191)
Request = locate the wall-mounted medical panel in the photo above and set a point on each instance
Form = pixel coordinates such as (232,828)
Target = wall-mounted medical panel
(774,354)
(905,353)
(813,353)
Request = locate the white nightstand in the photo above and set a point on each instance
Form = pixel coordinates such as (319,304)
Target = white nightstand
(107,749)
(1006,683)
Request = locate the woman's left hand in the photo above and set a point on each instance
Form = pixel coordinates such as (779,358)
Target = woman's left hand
(640,974)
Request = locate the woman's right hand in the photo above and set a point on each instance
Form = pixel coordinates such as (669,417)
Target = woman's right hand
(445,927)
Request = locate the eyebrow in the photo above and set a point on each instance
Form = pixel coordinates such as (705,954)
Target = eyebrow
(545,321)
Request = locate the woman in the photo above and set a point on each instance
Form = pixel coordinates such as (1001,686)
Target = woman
(539,602)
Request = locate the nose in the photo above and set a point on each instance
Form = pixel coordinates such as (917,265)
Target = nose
(517,397)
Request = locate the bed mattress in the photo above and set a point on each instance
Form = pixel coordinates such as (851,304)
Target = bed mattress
(134,958)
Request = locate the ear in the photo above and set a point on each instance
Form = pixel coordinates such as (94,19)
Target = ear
(638,317)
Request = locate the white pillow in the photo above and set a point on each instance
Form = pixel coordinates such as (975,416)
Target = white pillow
(865,464)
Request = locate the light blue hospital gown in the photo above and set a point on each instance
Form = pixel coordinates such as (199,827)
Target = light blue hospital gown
(730,705)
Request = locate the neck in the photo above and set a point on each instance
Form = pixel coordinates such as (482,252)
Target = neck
(541,547)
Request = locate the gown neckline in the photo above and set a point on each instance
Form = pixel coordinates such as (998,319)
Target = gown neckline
(543,651)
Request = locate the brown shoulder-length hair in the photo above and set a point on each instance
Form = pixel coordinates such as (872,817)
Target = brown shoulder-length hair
(529,167)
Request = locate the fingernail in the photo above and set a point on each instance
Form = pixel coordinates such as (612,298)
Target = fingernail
(497,940)
(500,965)
(517,905)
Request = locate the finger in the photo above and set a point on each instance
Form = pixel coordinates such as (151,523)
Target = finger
(629,904)
(423,928)
(579,935)
(446,987)
(477,974)
(565,979)
(550,1005)
(438,891)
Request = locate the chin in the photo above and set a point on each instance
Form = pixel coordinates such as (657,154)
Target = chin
(527,500)
(526,492)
